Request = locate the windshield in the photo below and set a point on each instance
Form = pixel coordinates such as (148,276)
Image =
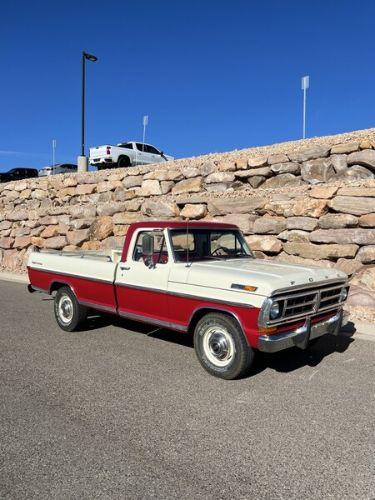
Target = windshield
(204,244)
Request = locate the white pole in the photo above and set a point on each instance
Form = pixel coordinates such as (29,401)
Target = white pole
(305,83)
(304,113)
(53,155)
(145,122)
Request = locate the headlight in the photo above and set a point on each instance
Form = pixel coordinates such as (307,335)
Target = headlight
(343,294)
(274,310)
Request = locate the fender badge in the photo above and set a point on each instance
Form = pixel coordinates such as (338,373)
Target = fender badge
(311,279)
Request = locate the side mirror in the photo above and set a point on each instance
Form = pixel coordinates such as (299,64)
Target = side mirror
(161,153)
(147,245)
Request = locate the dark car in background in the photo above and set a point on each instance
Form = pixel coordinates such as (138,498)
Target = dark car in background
(15,174)
(59,168)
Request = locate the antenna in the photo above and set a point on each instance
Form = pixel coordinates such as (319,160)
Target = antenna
(187,242)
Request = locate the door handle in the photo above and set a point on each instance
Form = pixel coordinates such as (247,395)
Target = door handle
(124,268)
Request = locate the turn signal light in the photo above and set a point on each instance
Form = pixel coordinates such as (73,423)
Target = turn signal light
(247,288)
(108,150)
(268,331)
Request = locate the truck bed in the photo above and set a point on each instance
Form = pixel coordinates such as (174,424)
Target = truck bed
(91,275)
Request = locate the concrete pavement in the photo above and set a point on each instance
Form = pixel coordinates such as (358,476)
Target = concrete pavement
(114,413)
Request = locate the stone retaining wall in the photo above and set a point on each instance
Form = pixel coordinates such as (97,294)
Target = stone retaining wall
(306,202)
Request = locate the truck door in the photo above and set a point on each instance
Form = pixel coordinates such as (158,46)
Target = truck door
(142,281)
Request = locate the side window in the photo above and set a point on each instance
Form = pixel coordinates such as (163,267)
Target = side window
(183,245)
(141,147)
(129,145)
(160,255)
(151,149)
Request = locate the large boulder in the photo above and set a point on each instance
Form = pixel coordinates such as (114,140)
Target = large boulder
(243,221)
(282,180)
(267,244)
(257,161)
(294,235)
(336,221)
(309,207)
(317,252)
(289,167)
(193,185)
(277,158)
(366,254)
(323,192)
(256,181)
(101,228)
(356,172)
(317,171)
(77,237)
(311,153)
(150,187)
(345,147)
(357,191)
(194,211)
(354,235)
(219,177)
(222,206)
(304,223)
(160,208)
(56,243)
(354,205)
(367,220)
(365,157)
(339,162)
(269,225)
(349,266)
(294,259)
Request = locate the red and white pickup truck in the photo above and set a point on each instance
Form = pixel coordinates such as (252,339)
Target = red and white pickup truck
(198,278)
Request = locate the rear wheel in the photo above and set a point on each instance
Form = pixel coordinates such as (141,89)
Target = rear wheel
(69,313)
(221,346)
(123,161)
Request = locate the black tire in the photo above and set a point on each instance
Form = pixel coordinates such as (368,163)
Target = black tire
(123,162)
(69,313)
(221,346)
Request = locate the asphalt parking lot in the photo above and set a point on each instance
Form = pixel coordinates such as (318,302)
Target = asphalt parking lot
(112,412)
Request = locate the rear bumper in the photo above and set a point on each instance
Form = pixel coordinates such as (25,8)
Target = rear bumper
(302,335)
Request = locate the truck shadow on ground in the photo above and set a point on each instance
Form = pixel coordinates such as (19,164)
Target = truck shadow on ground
(283,361)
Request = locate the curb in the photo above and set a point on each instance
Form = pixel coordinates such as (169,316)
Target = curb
(14,277)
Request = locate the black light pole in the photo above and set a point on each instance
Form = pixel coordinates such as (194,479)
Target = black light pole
(91,58)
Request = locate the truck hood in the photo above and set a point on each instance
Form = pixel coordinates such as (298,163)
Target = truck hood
(268,276)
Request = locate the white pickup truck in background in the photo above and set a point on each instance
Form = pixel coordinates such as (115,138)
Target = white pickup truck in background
(126,154)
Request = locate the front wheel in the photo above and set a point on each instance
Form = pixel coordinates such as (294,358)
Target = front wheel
(221,346)
(69,313)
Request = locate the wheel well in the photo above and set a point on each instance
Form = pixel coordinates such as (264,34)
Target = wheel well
(206,310)
(56,285)
(123,157)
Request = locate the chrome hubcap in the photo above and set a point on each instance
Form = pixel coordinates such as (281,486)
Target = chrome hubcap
(218,346)
(66,309)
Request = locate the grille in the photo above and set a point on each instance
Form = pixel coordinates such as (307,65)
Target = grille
(311,301)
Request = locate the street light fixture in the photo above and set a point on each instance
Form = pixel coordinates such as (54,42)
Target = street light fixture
(82,160)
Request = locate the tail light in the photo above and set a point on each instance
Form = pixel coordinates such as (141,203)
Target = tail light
(108,150)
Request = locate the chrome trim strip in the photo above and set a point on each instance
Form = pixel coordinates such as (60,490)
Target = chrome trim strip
(184,295)
(339,281)
(153,321)
(71,275)
(92,305)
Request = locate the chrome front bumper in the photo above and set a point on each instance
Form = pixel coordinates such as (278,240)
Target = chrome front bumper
(302,335)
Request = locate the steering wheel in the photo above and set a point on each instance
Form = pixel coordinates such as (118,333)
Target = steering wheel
(224,249)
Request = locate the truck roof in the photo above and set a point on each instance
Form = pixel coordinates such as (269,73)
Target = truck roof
(173,225)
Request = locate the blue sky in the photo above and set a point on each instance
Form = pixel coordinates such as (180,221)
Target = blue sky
(212,75)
